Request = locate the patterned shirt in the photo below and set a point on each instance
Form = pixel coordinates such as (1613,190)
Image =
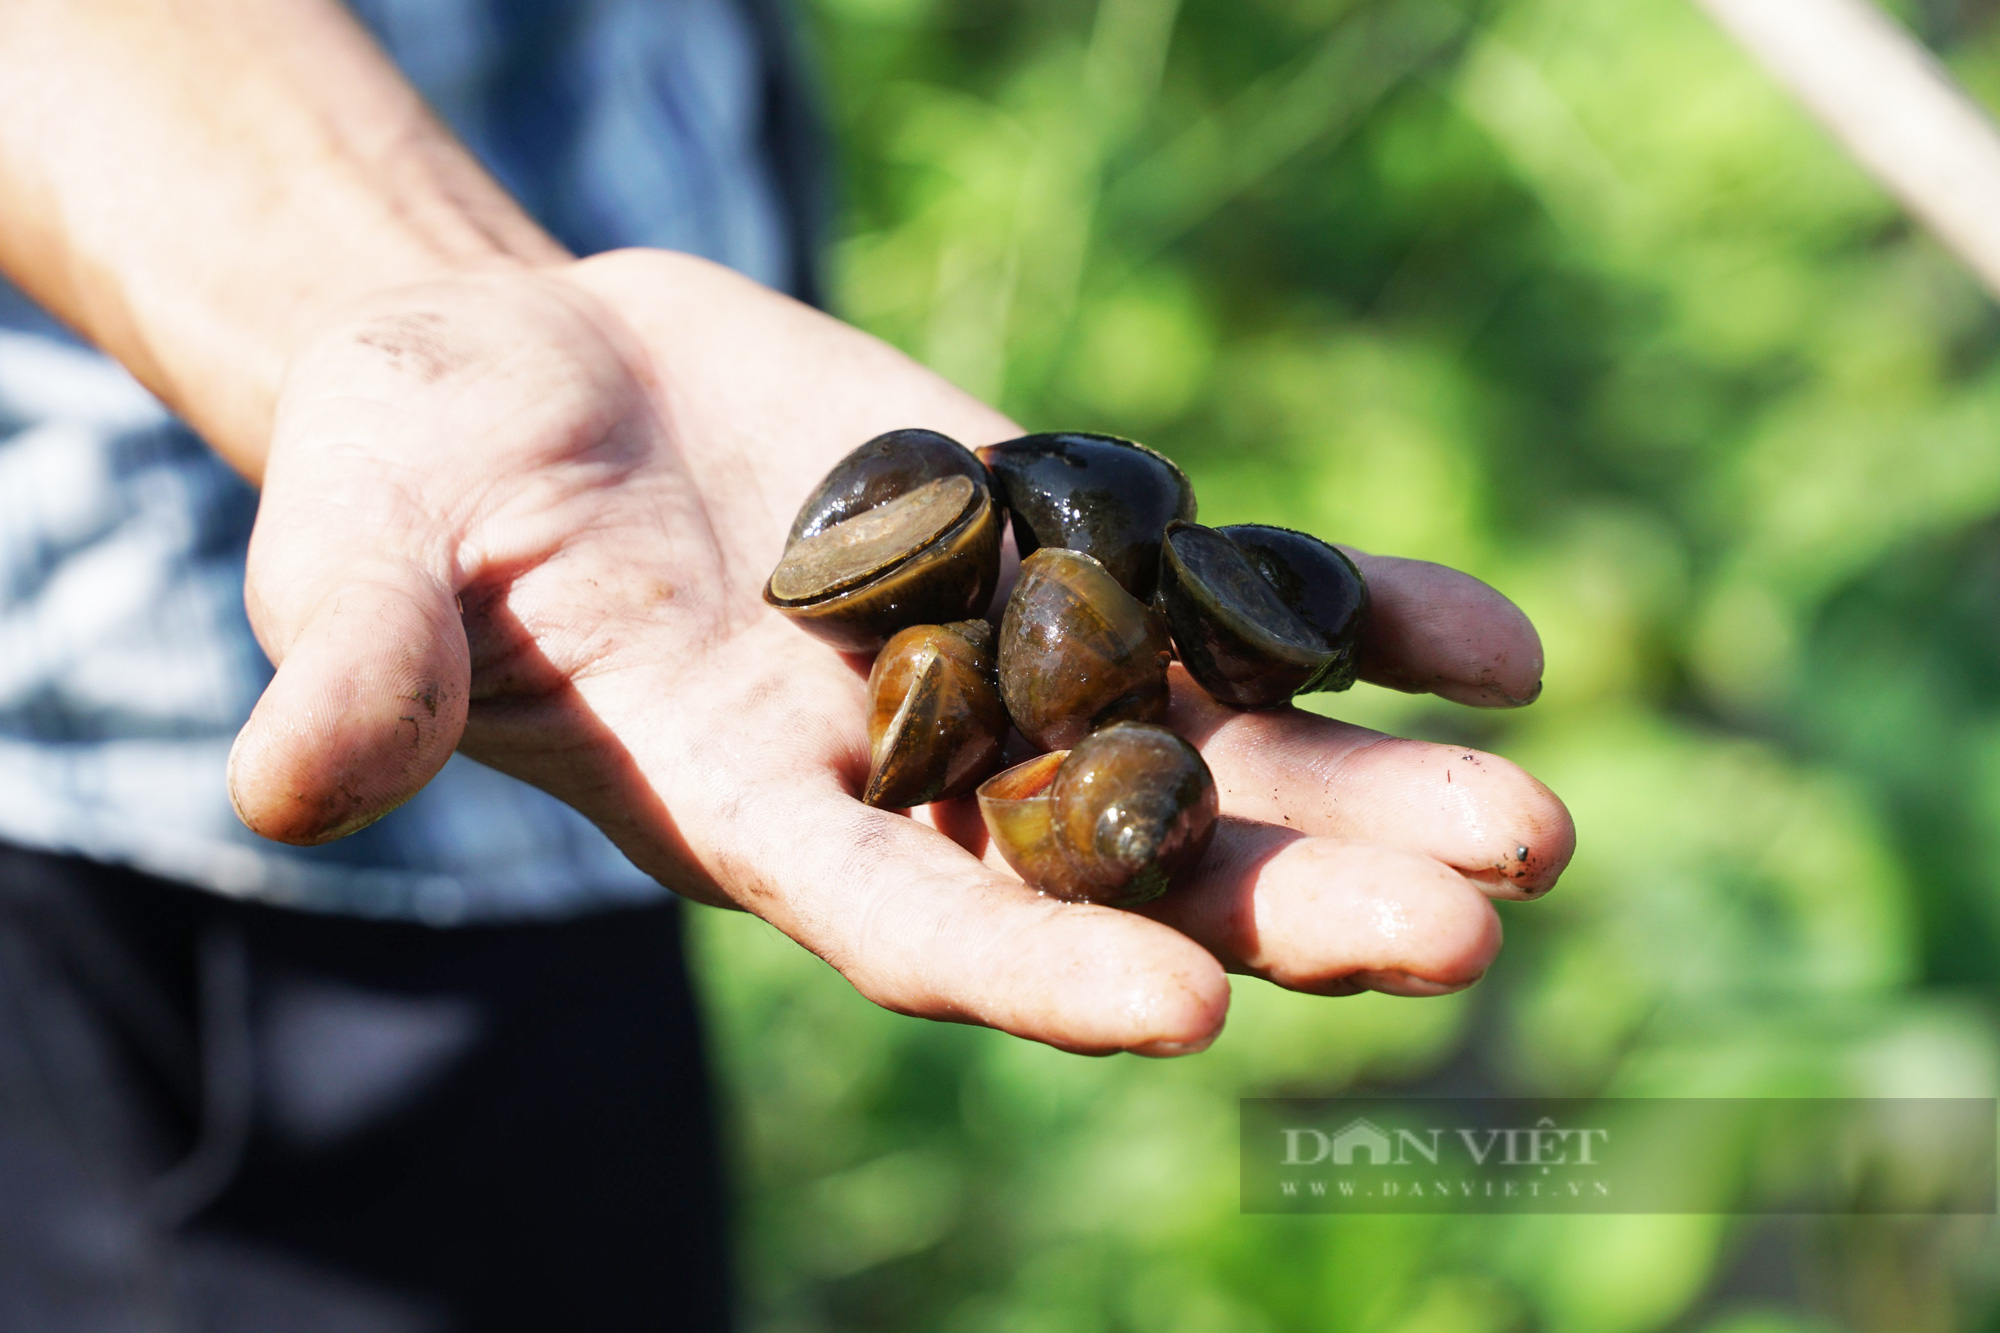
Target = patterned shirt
(126,661)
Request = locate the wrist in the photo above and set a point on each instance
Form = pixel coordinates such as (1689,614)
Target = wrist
(195,185)
(214,340)
(224,380)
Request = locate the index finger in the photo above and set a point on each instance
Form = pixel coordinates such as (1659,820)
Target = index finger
(1433,630)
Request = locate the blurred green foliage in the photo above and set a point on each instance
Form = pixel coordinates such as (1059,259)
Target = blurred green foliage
(1563,293)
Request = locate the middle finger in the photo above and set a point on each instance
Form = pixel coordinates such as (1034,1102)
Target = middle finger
(1330,917)
(1324,916)
(1474,812)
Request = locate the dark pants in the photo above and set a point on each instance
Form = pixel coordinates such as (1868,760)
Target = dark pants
(218,1117)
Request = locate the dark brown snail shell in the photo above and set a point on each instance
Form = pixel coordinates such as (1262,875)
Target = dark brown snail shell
(1110,821)
(889,465)
(1107,497)
(904,531)
(1260,614)
(935,721)
(1078,652)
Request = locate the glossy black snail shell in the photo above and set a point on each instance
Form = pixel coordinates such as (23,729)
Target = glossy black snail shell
(904,531)
(1078,652)
(1110,821)
(1106,497)
(1260,614)
(935,721)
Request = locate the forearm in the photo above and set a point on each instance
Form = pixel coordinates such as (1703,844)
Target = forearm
(191,183)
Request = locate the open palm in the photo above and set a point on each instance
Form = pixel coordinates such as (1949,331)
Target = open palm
(528,514)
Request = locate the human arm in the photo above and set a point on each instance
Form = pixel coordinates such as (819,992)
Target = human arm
(523,506)
(192,185)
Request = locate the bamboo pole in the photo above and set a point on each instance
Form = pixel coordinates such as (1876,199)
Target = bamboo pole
(1892,105)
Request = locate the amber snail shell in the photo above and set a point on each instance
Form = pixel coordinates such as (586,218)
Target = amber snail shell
(1111,821)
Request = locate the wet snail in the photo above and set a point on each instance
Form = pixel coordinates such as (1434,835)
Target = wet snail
(898,550)
(1106,497)
(904,531)
(935,720)
(1078,652)
(1260,614)
(1110,821)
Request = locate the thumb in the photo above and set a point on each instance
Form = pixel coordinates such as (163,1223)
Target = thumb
(369,699)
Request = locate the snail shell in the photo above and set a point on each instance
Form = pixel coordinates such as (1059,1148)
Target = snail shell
(1078,652)
(903,531)
(1260,614)
(1106,497)
(1110,821)
(935,721)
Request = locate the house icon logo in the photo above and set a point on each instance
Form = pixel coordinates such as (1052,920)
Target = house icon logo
(1362,1135)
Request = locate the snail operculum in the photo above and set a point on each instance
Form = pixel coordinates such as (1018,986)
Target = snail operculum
(935,723)
(1260,614)
(1106,497)
(1111,821)
(1079,652)
(903,531)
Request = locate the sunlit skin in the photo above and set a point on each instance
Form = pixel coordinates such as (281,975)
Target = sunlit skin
(523,506)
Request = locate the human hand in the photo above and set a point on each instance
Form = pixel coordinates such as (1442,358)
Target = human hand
(529,513)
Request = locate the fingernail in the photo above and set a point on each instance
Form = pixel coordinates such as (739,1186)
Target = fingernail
(1522,701)
(1166,1050)
(229,779)
(1395,981)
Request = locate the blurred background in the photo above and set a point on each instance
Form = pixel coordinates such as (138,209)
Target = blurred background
(1565,293)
